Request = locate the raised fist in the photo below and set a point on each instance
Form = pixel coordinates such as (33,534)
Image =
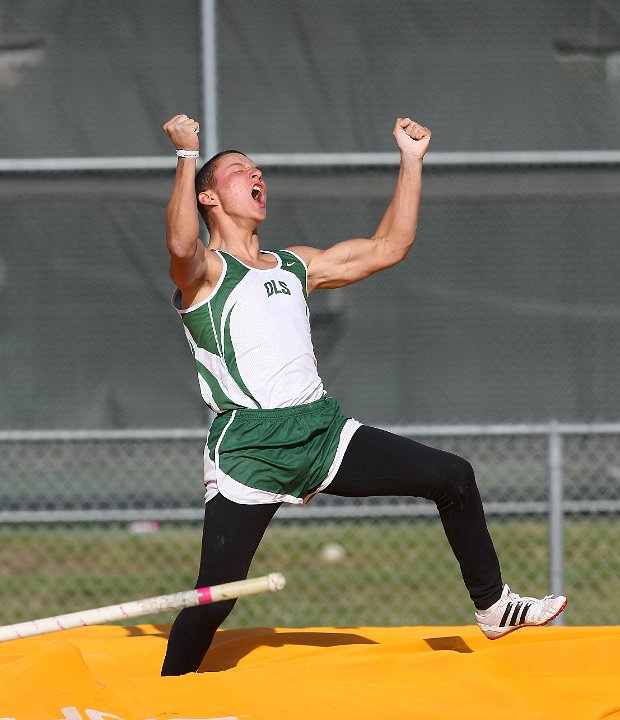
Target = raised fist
(412,138)
(183,131)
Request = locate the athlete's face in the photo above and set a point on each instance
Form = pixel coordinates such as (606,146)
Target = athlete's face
(240,188)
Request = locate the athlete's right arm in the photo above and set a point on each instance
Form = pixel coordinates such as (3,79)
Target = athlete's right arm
(188,255)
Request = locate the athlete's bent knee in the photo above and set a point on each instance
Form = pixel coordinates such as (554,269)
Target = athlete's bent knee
(460,484)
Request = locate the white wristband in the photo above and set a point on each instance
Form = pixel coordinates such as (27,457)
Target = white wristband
(188,153)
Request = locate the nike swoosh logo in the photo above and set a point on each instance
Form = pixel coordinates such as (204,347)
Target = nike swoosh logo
(288,264)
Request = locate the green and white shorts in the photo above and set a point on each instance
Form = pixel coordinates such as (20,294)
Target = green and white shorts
(282,455)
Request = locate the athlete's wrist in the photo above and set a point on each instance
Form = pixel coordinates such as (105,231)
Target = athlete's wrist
(182,153)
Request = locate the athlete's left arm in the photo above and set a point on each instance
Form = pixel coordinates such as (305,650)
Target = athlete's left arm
(352,260)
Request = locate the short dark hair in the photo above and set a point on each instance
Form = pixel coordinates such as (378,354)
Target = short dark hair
(205,177)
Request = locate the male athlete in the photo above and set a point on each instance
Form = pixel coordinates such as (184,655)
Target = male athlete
(277,436)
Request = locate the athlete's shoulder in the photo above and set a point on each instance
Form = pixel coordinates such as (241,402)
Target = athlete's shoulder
(289,257)
(305,253)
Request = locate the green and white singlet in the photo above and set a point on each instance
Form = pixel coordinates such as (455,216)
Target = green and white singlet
(276,436)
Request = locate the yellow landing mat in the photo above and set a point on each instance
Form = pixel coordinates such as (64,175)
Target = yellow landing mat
(357,673)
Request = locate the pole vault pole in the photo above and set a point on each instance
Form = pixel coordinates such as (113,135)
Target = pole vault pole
(160,603)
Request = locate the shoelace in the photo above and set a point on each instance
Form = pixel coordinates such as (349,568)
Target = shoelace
(514,597)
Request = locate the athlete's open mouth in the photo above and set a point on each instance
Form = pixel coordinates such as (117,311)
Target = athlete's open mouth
(257,193)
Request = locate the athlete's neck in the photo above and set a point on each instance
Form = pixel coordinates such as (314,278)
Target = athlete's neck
(245,246)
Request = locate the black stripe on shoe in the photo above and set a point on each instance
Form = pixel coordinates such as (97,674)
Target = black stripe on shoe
(507,611)
(524,613)
(515,614)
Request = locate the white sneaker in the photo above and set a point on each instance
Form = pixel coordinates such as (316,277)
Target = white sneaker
(512,612)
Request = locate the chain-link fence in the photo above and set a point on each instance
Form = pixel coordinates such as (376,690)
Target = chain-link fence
(96,518)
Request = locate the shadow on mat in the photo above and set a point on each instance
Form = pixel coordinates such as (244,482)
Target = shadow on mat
(227,649)
(150,630)
(450,642)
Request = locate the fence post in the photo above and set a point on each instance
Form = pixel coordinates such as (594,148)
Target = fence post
(210,106)
(556,512)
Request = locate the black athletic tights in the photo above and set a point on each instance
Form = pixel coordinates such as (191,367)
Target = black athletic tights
(375,463)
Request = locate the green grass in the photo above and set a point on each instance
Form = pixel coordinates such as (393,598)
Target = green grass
(393,572)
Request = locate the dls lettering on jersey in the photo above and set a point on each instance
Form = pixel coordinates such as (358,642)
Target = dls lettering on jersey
(274,287)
